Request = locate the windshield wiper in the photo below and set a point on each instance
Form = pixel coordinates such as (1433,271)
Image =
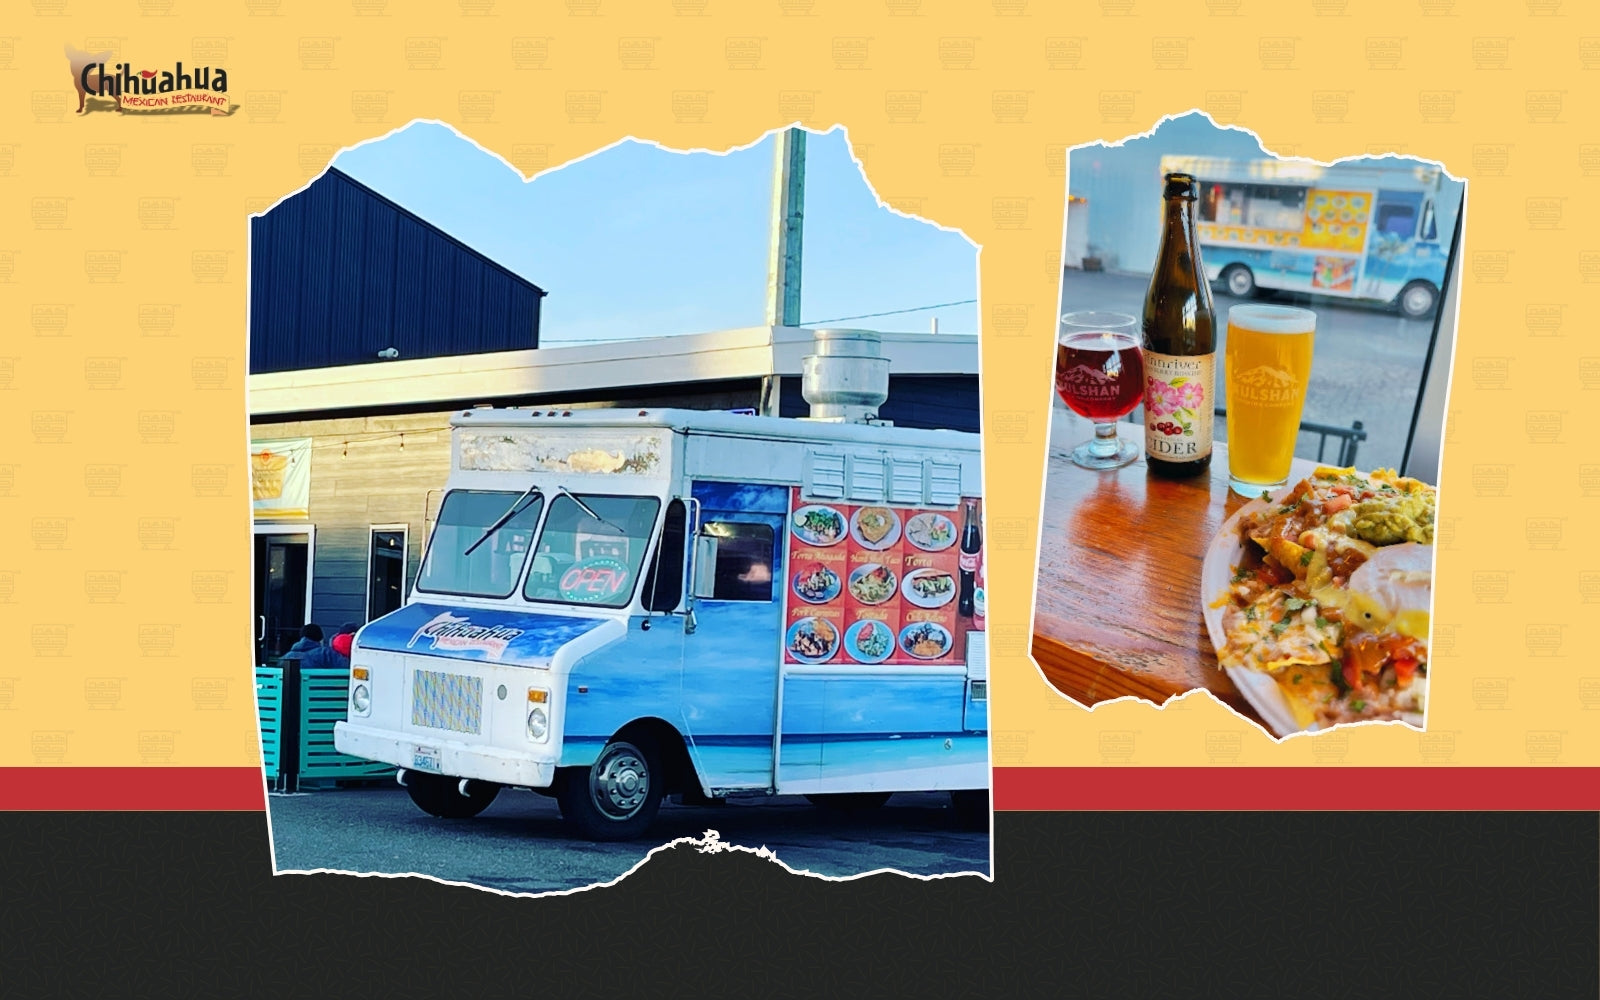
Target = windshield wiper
(589,510)
(500,522)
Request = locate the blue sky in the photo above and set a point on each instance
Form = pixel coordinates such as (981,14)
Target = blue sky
(637,241)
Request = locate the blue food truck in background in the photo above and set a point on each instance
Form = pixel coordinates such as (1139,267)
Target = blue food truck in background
(618,605)
(1369,233)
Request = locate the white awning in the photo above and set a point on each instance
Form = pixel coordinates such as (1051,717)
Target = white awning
(755,352)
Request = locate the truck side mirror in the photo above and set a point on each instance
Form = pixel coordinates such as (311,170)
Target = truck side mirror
(705,566)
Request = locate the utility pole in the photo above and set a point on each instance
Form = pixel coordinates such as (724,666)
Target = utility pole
(783,259)
(788,216)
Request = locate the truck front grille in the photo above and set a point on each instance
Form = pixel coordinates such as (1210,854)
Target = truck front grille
(446,701)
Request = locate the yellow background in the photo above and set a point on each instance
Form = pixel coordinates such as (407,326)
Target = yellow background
(124,488)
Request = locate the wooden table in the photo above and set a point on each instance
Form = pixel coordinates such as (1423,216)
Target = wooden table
(1118,604)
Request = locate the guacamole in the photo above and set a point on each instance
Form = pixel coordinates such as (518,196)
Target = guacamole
(1390,520)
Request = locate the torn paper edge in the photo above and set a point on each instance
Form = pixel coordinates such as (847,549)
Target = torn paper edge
(1457,261)
(711,842)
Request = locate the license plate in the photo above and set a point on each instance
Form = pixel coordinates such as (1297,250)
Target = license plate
(425,759)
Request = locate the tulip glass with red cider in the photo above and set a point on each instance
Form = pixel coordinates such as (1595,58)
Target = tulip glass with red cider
(1100,375)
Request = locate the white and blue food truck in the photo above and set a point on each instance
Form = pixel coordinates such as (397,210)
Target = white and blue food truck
(1365,232)
(619,605)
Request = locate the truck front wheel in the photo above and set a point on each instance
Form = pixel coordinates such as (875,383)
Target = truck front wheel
(618,797)
(1417,299)
(1238,281)
(439,795)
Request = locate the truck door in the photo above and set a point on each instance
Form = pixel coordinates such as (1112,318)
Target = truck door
(730,663)
(1392,246)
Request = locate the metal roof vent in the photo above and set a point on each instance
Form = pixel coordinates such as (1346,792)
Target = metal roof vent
(847,379)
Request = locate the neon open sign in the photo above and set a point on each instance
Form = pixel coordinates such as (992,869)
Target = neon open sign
(594,580)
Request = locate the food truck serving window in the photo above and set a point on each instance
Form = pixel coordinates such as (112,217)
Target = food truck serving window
(594,559)
(1263,206)
(492,568)
(744,561)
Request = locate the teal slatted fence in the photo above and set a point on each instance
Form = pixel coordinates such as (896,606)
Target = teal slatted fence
(269,696)
(324,698)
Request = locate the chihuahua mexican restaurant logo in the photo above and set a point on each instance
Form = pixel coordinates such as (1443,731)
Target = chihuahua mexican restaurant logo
(125,86)
(457,633)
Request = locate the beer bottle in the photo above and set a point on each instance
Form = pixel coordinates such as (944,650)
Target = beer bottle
(971,546)
(1180,343)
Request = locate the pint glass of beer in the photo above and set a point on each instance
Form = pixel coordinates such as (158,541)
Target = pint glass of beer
(1267,368)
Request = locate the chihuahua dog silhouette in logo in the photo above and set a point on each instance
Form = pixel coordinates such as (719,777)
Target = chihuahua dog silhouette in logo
(81,61)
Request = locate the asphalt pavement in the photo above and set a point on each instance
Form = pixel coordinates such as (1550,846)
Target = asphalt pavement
(1366,365)
(520,844)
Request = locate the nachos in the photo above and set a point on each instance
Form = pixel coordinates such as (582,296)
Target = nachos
(1331,600)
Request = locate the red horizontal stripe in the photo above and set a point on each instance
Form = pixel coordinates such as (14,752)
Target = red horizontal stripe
(1297,788)
(155,789)
(1015,788)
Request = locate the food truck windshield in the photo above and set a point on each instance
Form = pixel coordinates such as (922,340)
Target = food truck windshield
(591,556)
(589,550)
(492,567)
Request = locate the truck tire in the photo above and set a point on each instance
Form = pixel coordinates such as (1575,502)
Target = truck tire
(850,801)
(1417,299)
(1238,281)
(618,797)
(440,795)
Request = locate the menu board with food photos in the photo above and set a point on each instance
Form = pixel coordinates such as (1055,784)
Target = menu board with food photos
(873,584)
(1336,220)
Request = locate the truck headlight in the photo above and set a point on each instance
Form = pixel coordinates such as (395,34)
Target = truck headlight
(538,724)
(360,699)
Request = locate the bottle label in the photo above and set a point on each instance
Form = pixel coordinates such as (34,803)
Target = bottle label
(968,562)
(1179,406)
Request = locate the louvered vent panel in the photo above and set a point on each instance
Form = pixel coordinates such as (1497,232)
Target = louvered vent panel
(825,475)
(944,483)
(866,478)
(905,480)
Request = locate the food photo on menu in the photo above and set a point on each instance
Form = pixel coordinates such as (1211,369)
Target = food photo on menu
(1250,366)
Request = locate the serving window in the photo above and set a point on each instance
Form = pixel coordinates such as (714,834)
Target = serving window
(743,569)
(1261,206)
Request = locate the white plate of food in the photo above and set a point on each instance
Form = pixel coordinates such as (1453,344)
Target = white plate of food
(875,528)
(869,641)
(929,587)
(818,524)
(872,584)
(1317,600)
(812,640)
(816,584)
(930,531)
(925,640)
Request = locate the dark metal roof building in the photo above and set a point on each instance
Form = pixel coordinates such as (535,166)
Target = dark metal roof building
(339,273)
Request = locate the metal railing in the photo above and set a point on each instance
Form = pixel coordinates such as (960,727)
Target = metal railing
(1348,438)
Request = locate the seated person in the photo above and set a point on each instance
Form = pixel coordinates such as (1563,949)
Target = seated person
(335,655)
(310,638)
